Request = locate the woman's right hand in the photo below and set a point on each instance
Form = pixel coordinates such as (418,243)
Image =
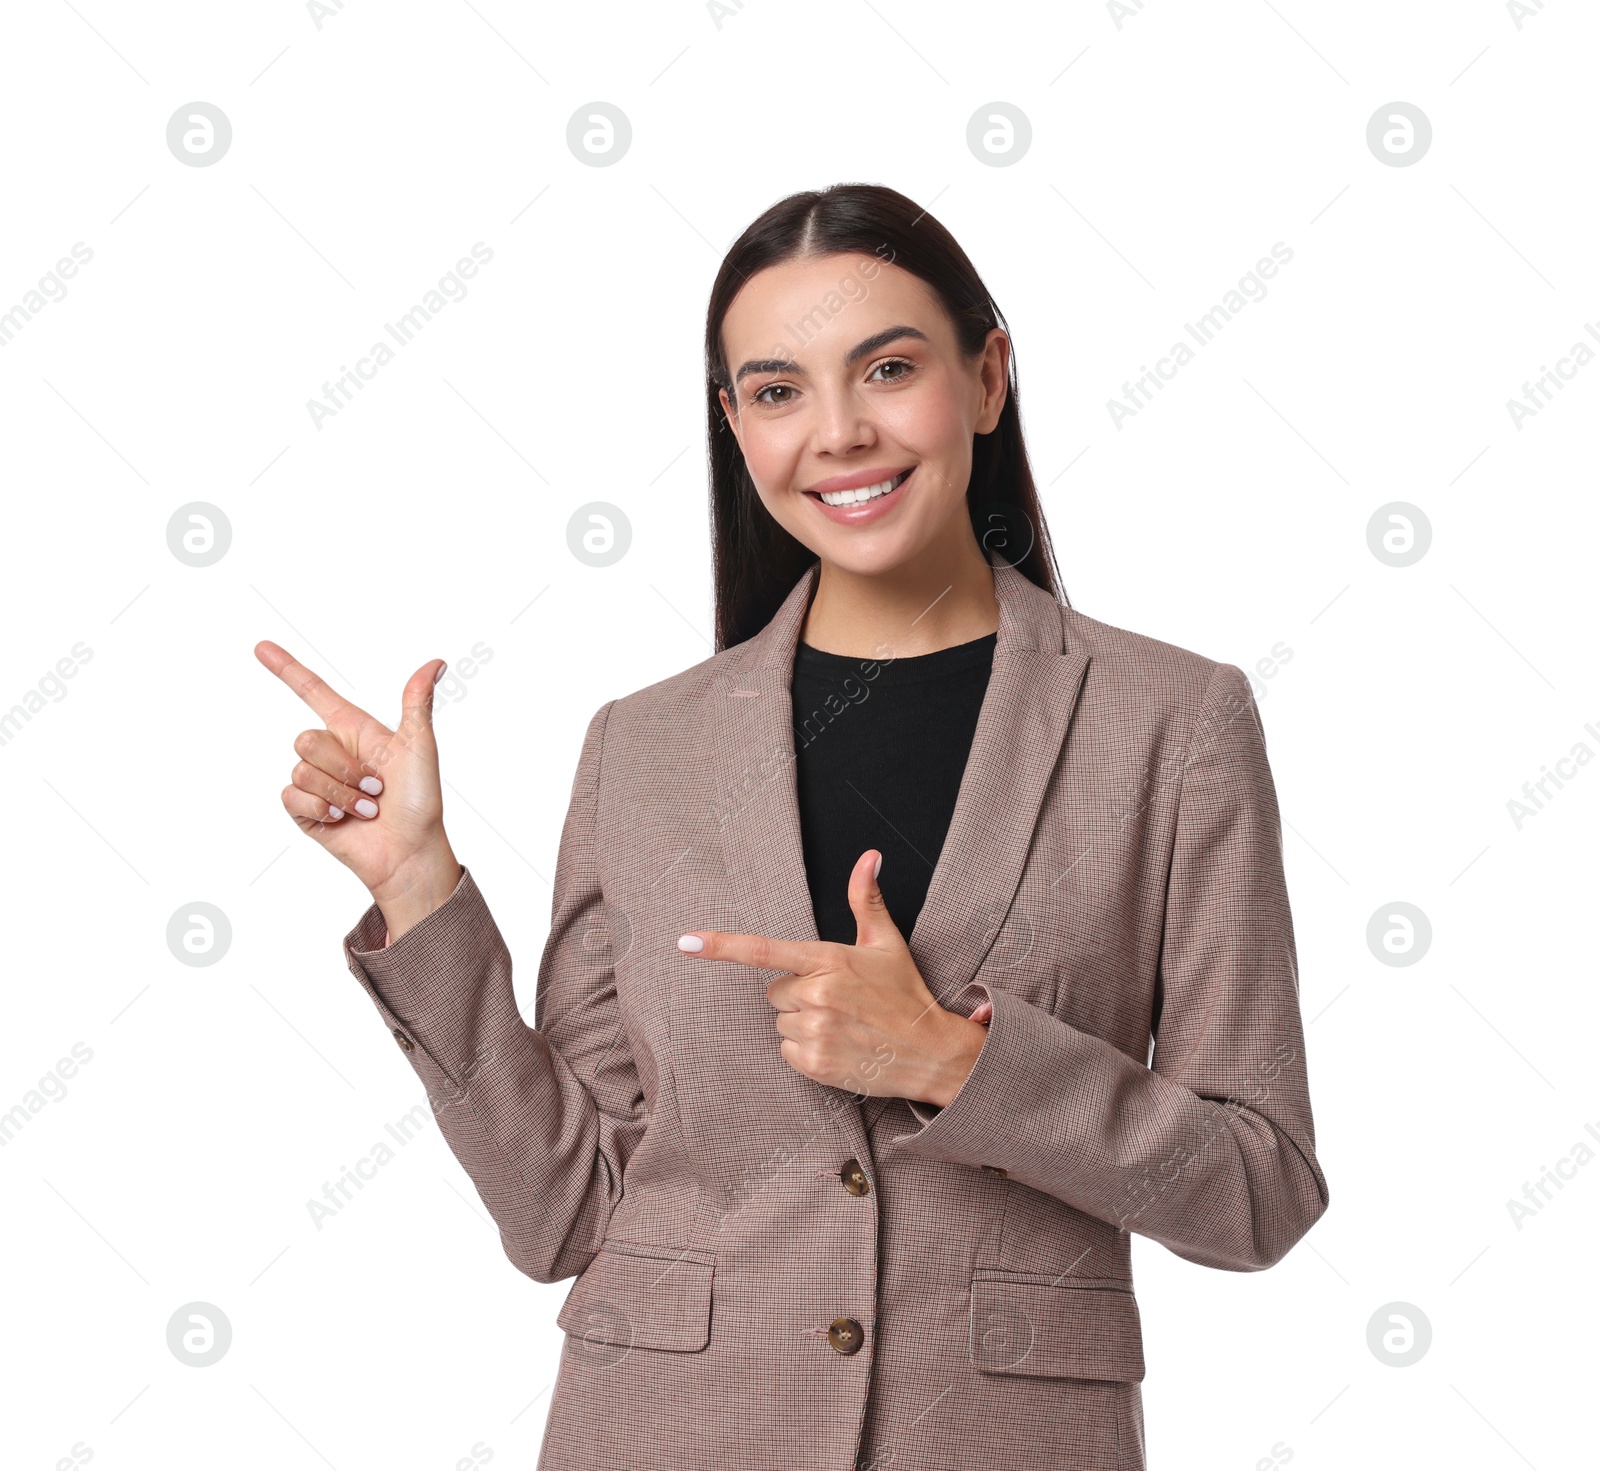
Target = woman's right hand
(391,833)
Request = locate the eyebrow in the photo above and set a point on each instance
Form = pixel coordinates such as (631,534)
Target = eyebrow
(856,353)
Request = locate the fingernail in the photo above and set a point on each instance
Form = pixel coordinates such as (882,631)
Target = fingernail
(691,943)
(440,674)
(366,808)
(370,785)
(334,812)
(876,867)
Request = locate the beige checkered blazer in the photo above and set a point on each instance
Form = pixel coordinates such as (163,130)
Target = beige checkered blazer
(776,1275)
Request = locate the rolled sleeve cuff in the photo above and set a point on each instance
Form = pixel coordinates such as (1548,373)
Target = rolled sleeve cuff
(979,1126)
(965,1001)
(406,971)
(427,984)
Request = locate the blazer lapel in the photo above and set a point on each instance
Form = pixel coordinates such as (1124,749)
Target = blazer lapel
(753,802)
(1033,689)
(750,757)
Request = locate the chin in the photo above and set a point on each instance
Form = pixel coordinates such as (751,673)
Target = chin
(865,556)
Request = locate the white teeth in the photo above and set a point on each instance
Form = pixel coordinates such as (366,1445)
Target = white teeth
(864,493)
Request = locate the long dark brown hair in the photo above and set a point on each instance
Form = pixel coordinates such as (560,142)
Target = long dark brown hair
(755,561)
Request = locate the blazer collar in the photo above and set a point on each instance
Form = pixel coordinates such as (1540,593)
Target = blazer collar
(1033,689)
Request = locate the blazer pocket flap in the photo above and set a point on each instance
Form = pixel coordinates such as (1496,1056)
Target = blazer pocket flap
(1062,1329)
(640,1302)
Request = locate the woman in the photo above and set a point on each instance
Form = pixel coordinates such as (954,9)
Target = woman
(906,955)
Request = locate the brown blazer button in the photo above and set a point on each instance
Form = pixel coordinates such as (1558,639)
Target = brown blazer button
(994,1170)
(406,1044)
(845,1335)
(854,1177)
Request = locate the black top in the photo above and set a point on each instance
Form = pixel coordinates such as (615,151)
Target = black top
(880,746)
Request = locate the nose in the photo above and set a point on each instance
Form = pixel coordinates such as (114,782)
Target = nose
(845,422)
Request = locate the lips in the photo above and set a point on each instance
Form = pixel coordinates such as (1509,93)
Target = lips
(858,505)
(862,493)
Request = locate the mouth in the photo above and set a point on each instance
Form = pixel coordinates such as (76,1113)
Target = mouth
(862,494)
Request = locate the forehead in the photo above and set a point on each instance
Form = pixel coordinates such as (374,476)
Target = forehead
(825,304)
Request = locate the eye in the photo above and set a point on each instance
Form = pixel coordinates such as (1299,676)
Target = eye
(771,388)
(906,363)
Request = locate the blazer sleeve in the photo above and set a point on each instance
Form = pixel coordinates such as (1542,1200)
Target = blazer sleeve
(542,1118)
(1210,1149)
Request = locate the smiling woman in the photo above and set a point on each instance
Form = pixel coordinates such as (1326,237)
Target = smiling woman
(870,1025)
(896,418)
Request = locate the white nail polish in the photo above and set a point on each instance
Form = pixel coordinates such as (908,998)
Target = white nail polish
(691,943)
(440,674)
(877,867)
(335,812)
(370,785)
(367,808)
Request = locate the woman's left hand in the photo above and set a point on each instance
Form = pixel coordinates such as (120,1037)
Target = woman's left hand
(858,1017)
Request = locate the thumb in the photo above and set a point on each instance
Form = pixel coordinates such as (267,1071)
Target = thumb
(416,700)
(874,924)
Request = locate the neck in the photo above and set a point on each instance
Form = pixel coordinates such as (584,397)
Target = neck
(933,603)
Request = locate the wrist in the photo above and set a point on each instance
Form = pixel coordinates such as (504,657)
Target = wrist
(418,887)
(966,1042)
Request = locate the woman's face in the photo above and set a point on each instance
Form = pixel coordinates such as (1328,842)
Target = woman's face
(847,377)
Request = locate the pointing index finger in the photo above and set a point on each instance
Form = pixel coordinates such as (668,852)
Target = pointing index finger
(760,951)
(311,687)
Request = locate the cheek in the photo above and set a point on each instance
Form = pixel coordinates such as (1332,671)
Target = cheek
(930,422)
(772,453)
(770,458)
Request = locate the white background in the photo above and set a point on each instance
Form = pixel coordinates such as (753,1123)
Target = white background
(1169,153)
